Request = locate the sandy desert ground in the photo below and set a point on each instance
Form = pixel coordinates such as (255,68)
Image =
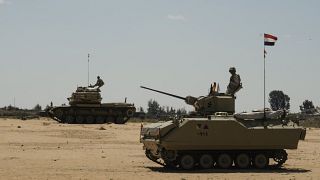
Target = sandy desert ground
(44,149)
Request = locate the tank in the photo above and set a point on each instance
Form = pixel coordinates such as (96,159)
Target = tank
(218,138)
(85,107)
(205,105)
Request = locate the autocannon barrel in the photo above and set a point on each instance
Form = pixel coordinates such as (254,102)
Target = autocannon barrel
(172,95)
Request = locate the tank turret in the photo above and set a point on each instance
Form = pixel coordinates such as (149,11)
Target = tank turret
(206,105)
(85,95)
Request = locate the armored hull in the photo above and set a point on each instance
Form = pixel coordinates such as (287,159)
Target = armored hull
(118,113)
(220,141)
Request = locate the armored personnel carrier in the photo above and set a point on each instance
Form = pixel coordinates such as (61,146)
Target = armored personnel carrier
(218,138)
(86,107)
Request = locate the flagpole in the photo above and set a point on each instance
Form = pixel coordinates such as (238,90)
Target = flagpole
(264,81)
(269,40)
(88,68)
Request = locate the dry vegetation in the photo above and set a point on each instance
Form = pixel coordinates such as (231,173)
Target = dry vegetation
(306,120)
(44,149)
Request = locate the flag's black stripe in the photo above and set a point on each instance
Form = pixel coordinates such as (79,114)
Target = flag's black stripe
(269,43)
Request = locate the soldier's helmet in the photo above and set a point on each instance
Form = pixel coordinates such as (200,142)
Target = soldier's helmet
(232,69)
(98,77)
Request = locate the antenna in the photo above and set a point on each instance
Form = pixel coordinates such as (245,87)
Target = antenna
(88,68)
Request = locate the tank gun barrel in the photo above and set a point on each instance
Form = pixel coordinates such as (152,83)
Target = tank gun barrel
(172,95)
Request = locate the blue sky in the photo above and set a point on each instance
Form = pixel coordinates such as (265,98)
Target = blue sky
(175,46)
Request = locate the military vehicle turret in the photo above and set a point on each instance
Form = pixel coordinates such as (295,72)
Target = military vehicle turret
(221,138)
(206,105)
(86,107)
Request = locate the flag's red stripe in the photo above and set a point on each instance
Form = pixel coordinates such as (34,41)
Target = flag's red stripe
(270,36)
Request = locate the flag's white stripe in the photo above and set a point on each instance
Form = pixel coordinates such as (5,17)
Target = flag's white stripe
(269,40)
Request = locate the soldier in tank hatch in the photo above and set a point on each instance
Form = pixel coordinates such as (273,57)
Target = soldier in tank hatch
(235,82)
(99,83)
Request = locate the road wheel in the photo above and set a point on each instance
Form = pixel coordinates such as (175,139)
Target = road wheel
(79,119)
(224,161)
(90,120)
(126,118)
(169,165)
(168,155)
(187,162)
(120,120)
(69,119)
(59,114)
(260,161)
(206,161)
(100,120)
(280,157)
(130,113)
(110,119)
(242,161)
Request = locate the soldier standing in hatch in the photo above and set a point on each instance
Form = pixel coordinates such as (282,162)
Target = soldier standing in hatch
(99,83)
(235,82)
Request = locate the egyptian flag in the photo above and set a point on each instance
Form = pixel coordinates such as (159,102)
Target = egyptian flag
(269,39)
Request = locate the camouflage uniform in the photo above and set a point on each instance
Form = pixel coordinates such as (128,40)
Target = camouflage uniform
(235,82)
(99,83)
